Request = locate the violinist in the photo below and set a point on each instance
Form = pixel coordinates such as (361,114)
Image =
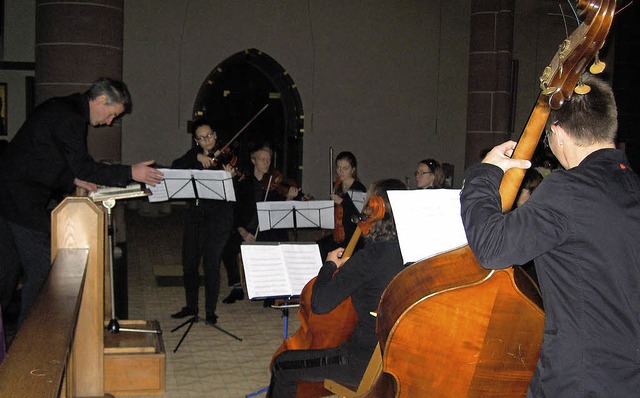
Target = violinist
(207,227)
(429,174)
(363,277)
(259,186)
(344,208)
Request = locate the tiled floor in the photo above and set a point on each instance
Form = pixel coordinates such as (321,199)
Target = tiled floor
(208,363)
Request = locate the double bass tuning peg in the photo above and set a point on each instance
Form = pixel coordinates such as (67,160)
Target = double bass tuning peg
(597,66)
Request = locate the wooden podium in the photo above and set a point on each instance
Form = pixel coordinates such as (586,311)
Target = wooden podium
(62,348)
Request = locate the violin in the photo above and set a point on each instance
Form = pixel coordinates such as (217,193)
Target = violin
(275,181)
(319,331)
(225,157)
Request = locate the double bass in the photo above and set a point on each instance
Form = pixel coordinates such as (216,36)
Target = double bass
(449,327)
(319,331)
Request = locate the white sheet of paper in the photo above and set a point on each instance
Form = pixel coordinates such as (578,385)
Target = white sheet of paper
(278,270)
(214,184)
(428,222)
(175,185)
(358,198)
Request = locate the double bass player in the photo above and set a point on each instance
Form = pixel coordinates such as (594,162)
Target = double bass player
(580,226)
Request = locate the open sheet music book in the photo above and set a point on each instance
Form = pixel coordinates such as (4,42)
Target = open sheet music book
(193,184)
(279,269)
(428,222)
(134,190)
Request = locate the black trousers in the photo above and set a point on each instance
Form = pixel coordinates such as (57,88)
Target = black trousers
(206,231)
(293,366)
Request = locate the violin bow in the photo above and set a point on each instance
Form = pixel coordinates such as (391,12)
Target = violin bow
(331,171)
(215,155)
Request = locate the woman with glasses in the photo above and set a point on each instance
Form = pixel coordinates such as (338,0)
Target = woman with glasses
(207,228)
(429,174)
(344,209)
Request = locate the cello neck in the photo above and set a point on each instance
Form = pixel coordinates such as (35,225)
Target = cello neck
(352,244)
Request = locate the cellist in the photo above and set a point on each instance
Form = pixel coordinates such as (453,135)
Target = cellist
(580,226)
(363,277)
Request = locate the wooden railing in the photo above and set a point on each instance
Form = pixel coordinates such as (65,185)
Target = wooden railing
(58,351)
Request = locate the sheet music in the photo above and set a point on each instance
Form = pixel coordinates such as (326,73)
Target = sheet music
(279,269)
(179,184)
(133,190)
(428,222)
(214,184)
(308,214)
(358,198)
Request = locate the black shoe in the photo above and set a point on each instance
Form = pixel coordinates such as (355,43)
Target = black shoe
(185,312)
(211,320)
(236,294)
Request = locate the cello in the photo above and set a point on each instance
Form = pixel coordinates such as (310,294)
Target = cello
(319,331)
(449,327)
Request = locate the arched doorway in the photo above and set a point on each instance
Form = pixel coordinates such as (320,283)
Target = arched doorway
(235,91)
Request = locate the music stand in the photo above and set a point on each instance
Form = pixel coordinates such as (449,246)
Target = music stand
(108,196)
(194,184)
(295,214)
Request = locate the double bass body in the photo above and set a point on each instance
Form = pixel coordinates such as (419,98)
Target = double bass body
(434,346)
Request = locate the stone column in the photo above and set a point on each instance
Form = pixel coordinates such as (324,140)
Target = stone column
(490,69)
(77,42)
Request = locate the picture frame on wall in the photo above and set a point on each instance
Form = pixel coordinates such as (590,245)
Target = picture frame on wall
(3,109)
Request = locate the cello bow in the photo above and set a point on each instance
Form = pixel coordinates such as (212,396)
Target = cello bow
(449,327)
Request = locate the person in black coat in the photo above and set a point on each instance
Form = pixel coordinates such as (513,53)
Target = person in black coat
(581,228)
(48,156)
(207,227)
(363,277)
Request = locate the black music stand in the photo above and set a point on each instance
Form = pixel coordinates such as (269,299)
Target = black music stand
(108,196)
(194,184)
(295,214)
(289,274)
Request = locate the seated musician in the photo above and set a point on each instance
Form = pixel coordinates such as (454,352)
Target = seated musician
(346,180)
(429,174)
(363,277)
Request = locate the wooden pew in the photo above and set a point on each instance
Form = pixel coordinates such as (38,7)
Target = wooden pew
(59,348)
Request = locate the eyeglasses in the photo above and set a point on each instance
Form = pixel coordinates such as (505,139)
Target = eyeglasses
(207,137)
(421,173)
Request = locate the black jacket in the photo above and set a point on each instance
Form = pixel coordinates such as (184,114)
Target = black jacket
(45,156)
(581,226)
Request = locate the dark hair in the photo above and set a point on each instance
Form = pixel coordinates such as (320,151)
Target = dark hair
(588,118)
(386,228)
(115,91)
(436,169)
(199,122)
(351,158)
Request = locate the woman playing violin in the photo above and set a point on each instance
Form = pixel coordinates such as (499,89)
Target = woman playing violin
(207,228)
(363,277)
(347,180)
